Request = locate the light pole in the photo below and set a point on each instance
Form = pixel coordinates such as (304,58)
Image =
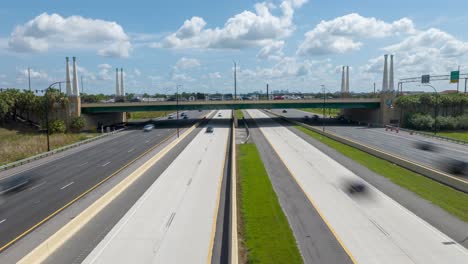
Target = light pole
(46,101)
(235,80)
(177,107)
(435,105)
(323,107)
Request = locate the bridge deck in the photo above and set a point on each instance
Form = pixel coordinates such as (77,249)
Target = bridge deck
(362,103)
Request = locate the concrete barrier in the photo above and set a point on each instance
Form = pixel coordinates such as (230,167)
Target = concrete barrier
(46,248)
(436,175)
(234,241)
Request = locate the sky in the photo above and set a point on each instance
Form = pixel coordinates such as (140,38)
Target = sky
(294,45)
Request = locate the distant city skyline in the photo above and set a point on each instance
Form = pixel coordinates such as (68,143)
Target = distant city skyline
(294,45)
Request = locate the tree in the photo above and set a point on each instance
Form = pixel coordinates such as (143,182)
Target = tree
(77,123)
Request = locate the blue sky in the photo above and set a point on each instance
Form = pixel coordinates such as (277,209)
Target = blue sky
(290,44)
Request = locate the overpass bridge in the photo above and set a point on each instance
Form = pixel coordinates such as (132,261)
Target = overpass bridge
(342,103)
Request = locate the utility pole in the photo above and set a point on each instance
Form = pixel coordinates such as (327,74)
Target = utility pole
(374,88)
(82,90)
(235,80)
(29,78)
(458,81)
(268,94)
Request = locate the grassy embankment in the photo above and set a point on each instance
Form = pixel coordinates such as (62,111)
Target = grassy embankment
(239,114)
(460,135)
(451,200)
(147,115)
(265,231)
(16,145)
(333,112)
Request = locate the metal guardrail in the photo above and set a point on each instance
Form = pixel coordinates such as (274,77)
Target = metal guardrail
(52,152)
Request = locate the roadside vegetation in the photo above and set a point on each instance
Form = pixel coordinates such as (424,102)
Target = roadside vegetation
(333,112)
(239,114)
(461,135)
(147,115)
(451,200)
(16,145)
(265,231)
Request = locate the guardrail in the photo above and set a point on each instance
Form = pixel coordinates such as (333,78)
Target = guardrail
(52,152)
(246,129)
(234,250)
(438,176)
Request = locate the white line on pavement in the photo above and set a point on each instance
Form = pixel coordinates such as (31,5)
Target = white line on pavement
(66,185)
(2,221)
(105,164)
(34,187)
(131,150)
(83,164)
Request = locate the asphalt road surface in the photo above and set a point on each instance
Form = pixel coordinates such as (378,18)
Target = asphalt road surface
(175,219)
(401,144)
(371,226)
(58,182)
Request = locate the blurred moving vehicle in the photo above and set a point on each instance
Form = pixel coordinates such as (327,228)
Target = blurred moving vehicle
(284,111)
(356,187)
(148,128)
(185,117)
(456,166)
(209,129)
(425,145)
(14,183)
(171,116)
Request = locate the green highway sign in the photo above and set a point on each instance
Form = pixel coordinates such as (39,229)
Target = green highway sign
(426,78)
(454,76)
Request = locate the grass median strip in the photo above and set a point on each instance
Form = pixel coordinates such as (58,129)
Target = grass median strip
(451,200)
(239,114)
(267,235)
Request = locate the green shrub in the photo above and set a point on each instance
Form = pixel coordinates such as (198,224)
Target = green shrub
(57,127)
(447,122)
(463,122)
(77,123)
(420,121)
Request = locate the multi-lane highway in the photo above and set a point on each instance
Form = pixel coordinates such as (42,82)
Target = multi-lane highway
(401,144)
(371,229)
(175,219)
(60,181)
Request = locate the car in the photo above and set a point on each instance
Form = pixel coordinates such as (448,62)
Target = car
(456,166)
(148,128)
(306,117)
(209,129)
(14,183)
(220,115)
(183,114)
(185,117)
(425,145)
(199,110)
(285,111)
(170,116)
(356,187)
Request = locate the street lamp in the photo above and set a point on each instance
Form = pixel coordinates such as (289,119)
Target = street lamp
(177,107)
(435,105)
(47,110)
(235,80)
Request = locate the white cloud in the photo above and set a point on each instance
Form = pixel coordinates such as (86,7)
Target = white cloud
(137,72)
(46,31)
(342,34)
(104,72)
(247,29)
(181,77)
(187,63)
(214,75)
(427,52)
(274,50)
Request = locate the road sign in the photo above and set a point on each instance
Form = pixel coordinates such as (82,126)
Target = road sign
(426,78)
(454,76)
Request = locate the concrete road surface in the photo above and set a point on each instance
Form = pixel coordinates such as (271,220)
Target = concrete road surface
(371,227)
(175,219)
(401,144)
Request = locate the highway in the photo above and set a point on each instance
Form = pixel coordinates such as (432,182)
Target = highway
(401,144)
(60,181)
(175,219)
(372,228)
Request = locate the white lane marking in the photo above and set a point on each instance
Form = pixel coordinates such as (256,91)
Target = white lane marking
(105,164)
(131,150)
(66,185)
(83,164)
(2,221)
(34,187)
(146,141)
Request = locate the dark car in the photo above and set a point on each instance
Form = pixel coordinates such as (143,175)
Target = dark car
(456,166)
(185,117)
(425,145)
(13,183)
(354,187)
(285,111)
(209,129)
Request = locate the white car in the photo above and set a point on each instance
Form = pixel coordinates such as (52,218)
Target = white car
(148,128)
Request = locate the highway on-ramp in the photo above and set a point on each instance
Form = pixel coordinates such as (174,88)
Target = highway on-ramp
(175,219)
(372,228)
(60,181)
